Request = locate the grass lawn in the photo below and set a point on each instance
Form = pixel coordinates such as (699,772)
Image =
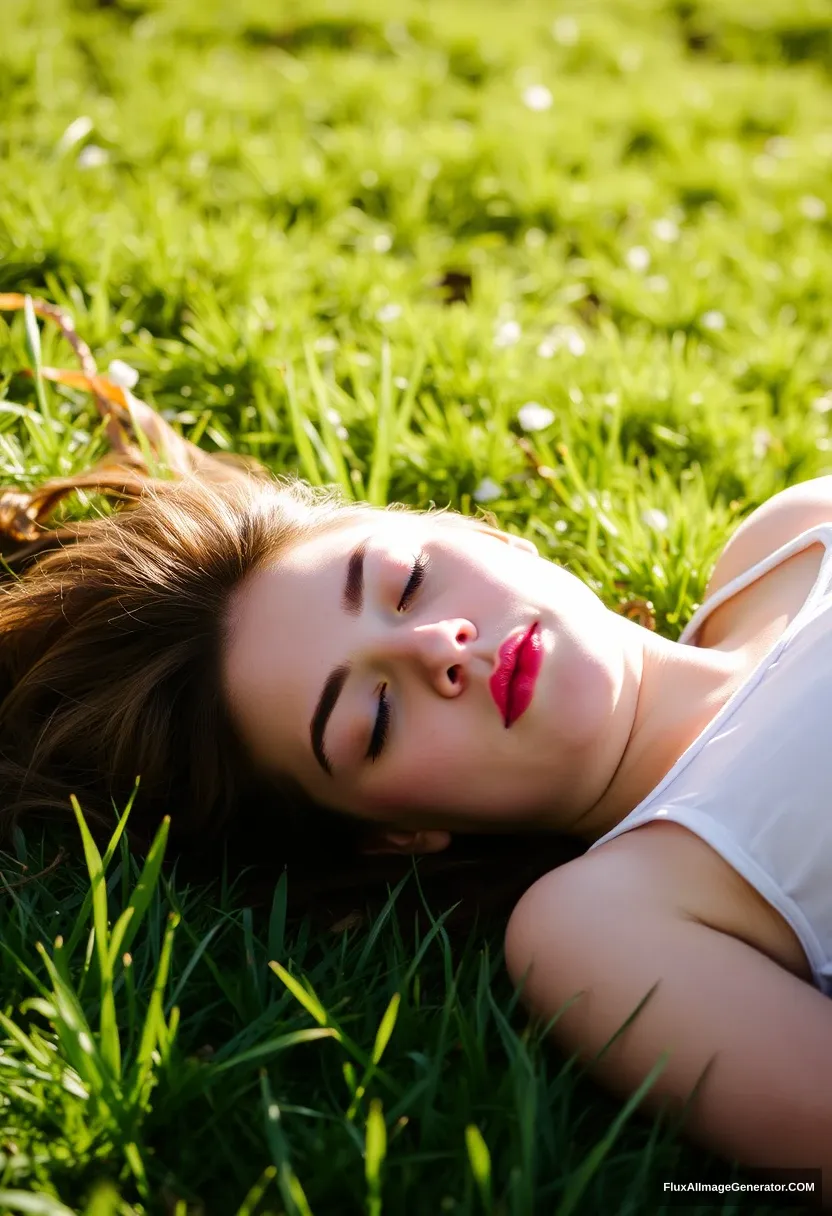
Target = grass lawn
(356,239)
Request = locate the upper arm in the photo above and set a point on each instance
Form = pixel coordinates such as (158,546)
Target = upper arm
(777,521)
(764,1036)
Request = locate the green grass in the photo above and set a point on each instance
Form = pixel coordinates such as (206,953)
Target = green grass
(254,205)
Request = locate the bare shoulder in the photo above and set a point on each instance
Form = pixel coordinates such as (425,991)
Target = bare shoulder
(771,525)
(642,992)
(670,870)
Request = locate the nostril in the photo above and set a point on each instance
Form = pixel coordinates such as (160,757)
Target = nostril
(452,674)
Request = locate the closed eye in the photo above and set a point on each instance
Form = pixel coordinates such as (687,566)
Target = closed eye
(415,581)
(382,723)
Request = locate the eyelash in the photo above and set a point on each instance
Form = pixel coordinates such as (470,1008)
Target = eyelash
(382,723)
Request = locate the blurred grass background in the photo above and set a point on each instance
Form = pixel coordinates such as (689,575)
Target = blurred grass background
(571,262)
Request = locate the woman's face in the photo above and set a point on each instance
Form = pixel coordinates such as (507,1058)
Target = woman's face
(360,664)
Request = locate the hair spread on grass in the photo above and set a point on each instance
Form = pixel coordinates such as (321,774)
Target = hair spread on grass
(110,661)
(110,649)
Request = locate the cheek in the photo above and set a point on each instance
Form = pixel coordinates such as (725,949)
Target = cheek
(411,784)
(385,801)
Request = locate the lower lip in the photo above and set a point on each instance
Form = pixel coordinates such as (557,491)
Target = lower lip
(518,695)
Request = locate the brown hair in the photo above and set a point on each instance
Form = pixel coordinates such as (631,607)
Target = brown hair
(110,648)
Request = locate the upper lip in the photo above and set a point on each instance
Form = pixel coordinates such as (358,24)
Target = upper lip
(505,666)
(508,652)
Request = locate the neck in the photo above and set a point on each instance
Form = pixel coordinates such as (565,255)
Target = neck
(669,694)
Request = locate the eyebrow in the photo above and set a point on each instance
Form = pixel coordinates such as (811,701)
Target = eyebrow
(352,602)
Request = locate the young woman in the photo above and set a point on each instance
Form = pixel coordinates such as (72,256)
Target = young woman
(389,680)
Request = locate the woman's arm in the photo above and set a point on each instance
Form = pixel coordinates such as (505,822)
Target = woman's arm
(764,1036)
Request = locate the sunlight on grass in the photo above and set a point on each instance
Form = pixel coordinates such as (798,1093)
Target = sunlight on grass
(569,263)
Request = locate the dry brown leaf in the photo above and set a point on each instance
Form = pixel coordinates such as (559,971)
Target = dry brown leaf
(120,474)
(23,513)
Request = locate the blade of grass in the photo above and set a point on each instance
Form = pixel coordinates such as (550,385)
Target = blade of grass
(379,482)
(251,1202)
(374,1153)
(154,1034)
(480,1161)
(385,1030)
(272,1046)
(192,962)
(304,997)
(32,1205)
(287,1180)
(589,1166)
(81,921)
(78,1042)
(414,381)
(110,1045)
(330,438)
(146,885)
(33,349)
(300,430)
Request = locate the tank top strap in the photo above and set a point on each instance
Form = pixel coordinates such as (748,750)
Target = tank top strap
(822,587)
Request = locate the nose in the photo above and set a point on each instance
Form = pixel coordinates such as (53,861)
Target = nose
(439,651)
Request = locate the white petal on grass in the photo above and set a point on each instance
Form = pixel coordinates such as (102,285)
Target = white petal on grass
(198,164)
(764,166)
(812,207)
(566,31)
(779,146)
(337,422)
(630,59)
(537,97)
(655,519)
(325,345)
(575,344)
(92,157)
(507,333)
(487,491)
(388,312)
(761,441)
(77,130)
(123,374)
(562,337)
(822,405)
(401,382)
(382,242)
(535,417)
(666,229)
(638,258)
(713,319)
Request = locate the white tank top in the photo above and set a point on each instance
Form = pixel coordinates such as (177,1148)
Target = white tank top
(756,784)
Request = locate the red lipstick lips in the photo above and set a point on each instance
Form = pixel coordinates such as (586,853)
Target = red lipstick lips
(518,664)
